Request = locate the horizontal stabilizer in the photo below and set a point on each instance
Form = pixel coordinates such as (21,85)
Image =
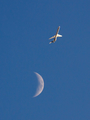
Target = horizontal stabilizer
(50,42)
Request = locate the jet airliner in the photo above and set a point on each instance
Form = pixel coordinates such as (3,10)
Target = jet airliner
(55,36)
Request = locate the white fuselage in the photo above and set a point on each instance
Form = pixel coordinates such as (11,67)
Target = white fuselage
(55,36)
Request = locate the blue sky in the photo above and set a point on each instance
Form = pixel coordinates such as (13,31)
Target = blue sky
(25,29)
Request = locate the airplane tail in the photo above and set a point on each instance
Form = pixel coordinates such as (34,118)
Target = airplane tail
(50,42)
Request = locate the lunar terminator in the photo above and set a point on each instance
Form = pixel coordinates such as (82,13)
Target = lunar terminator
(40,85)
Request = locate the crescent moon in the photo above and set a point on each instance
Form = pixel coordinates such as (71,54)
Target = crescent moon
(40,84)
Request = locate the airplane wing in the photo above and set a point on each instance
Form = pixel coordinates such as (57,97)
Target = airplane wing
(52,37)
(56,34)
(57,30)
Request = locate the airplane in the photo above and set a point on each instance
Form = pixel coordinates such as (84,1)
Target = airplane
(55,36)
